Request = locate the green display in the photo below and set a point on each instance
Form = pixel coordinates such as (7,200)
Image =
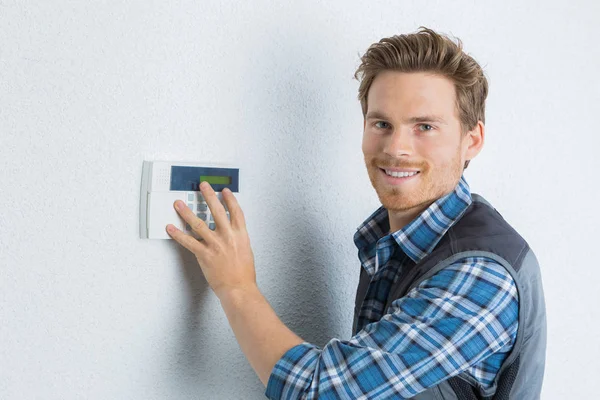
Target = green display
(216,180)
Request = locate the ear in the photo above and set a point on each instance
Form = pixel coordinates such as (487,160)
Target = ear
(473,141)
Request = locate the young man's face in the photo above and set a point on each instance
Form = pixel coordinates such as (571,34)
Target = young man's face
(412,124)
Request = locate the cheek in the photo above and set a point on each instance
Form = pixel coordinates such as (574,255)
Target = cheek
(370,144)
(367,145)
(435,155)
(439,153)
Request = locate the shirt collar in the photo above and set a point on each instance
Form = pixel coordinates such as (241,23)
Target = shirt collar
(418,238)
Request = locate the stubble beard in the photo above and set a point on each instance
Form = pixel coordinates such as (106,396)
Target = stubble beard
(428,187)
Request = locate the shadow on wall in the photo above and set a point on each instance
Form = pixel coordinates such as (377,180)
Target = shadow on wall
(190,349)
(283,107)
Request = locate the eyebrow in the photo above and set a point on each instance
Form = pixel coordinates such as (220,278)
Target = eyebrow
(421,118)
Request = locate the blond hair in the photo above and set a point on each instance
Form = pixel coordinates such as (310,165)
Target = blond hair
(428,51)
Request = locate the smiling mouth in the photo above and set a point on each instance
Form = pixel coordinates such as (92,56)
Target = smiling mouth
(404,174)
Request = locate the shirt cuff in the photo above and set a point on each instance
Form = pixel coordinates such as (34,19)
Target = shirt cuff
(293,373)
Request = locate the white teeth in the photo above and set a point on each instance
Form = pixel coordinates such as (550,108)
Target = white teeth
(400,174)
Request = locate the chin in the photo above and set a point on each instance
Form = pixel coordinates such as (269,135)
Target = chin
(395,203)
(394,199)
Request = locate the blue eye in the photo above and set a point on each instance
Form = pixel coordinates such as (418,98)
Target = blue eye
(425,125)
(382,122)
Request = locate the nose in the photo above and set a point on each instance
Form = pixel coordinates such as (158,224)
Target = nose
(399,143)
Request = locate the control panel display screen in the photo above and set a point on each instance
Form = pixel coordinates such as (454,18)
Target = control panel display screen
(216,180)
(187,178)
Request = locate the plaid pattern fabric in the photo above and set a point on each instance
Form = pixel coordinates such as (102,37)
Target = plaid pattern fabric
(463,319)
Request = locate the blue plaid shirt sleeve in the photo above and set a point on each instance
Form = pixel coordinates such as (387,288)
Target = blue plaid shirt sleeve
(464,315)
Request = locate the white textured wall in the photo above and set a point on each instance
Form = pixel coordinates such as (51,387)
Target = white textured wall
(90,89)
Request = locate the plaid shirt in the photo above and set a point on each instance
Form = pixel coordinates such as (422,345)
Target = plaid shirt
(461,320)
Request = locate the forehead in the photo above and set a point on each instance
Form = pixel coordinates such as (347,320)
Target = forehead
(408,94)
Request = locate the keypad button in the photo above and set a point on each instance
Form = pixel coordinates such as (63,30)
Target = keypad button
(202,216)
(202,207)
(212,226)
(190,196)
(188,227)
(191,206)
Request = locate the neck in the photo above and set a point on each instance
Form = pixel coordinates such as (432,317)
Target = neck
(400,219)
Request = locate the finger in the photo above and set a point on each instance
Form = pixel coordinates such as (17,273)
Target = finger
(215,206)
(186,241)
(197,224)
(235,211)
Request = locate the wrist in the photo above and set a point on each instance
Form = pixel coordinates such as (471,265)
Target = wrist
(237,294)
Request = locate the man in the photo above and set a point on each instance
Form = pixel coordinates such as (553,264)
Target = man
(449,303)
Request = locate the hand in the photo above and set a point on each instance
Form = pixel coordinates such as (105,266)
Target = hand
(224,255)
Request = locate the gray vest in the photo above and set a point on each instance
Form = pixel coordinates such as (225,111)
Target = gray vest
(482,231)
